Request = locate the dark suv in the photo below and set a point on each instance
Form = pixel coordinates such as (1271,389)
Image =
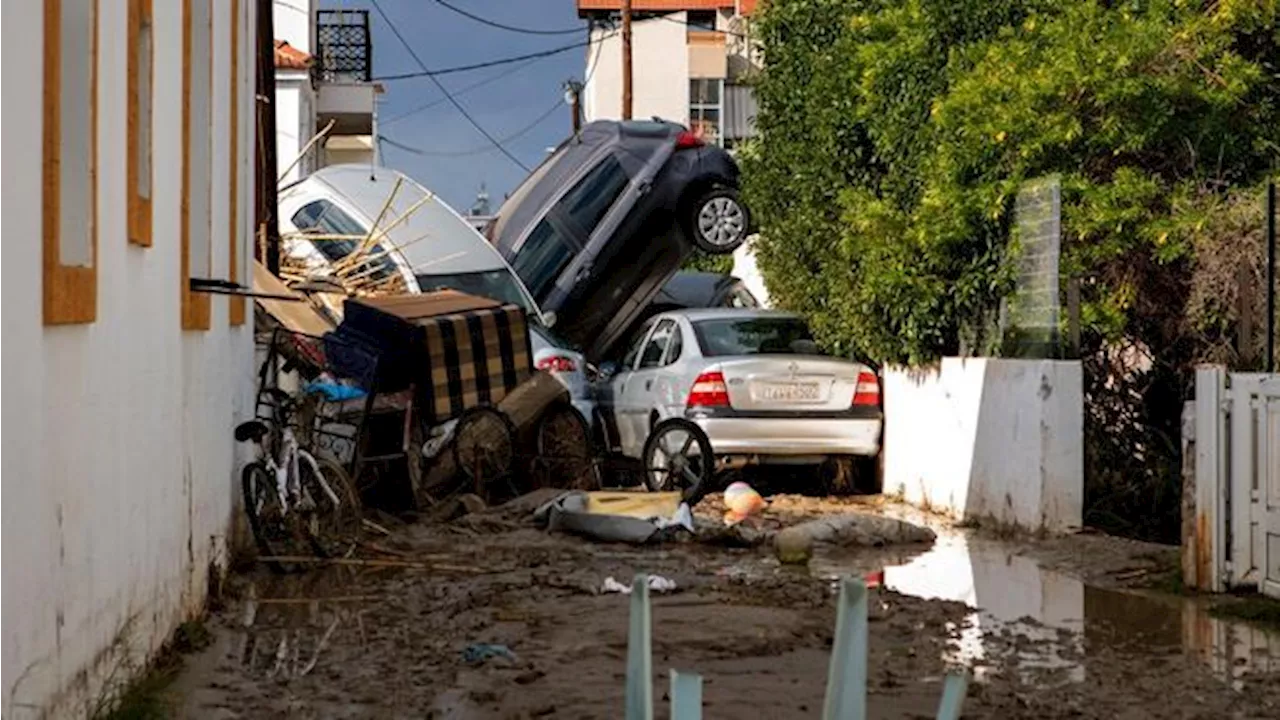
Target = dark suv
(606,219)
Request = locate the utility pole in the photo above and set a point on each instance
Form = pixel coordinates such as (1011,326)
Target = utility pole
(265,137)
(626,59)
(573,97)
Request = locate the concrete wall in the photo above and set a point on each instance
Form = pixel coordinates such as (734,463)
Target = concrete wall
(660,85)
(745,269)
(988,438)
(119,466)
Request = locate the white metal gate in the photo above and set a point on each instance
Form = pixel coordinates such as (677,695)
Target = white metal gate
(1265,500)
(1235,539)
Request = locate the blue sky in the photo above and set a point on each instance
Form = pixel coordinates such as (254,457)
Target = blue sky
(504,106)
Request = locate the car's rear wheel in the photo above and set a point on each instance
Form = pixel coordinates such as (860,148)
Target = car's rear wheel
(718,221)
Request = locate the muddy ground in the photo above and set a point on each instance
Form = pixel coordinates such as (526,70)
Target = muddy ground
(387,640)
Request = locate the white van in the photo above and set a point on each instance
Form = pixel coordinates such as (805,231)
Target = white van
(429,245)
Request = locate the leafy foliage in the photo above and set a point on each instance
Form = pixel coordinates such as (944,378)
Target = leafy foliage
(895,134)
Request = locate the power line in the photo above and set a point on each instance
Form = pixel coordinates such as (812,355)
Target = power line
(462,91)
(480,66)
(591,69)
(454,101)
(476,151)
(500,26)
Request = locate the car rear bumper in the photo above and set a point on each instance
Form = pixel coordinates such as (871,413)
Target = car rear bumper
(791,436)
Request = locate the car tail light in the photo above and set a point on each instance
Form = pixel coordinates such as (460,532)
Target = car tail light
(709,390)
(687,139)
(557,363)
(868,389)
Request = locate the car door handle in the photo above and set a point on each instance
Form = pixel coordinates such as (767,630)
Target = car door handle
(648,385)
(644,187)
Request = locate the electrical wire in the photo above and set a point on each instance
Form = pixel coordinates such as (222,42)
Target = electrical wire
(500,26)
(476,151)
(449,96)
(462,91)
(480,66)
(591,68)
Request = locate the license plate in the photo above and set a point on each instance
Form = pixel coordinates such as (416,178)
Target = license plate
(788,392)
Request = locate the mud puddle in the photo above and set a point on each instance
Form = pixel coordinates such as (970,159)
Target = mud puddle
(1048,623)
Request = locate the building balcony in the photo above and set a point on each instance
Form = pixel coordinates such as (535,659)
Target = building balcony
(342,70)
(343,48)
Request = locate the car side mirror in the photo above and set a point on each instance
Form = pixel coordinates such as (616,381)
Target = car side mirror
(608,369)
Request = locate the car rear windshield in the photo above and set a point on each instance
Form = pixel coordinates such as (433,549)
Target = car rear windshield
(753,336)
(493,284)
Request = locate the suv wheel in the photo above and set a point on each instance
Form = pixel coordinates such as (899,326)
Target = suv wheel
(718,222)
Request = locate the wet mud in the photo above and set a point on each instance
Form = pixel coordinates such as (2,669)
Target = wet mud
(410,632)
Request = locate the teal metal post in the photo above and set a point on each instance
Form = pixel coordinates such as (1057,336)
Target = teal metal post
(953,692)
(686,696)
(640,653)
(846,697)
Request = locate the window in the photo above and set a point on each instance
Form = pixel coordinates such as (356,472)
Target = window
(327,219)
(496,284)
(657,345)
(138,171)
(70,204)
(676,347)
(236,305)
(541,259)
(742,298)
(633,352)
(197,138)
(704,108)
(754,336)
(589,200)
(701,21)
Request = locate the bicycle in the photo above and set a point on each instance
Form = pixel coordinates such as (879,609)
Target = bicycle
(295,500)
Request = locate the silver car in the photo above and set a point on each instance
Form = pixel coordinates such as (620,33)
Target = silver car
(752,379)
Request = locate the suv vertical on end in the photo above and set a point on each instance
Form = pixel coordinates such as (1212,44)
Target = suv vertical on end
(598,228)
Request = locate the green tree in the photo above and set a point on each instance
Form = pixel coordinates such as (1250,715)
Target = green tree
(894,136)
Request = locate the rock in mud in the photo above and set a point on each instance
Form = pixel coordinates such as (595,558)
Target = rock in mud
(795,544)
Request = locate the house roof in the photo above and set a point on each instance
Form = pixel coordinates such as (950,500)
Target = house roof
(746,7)
(289,57)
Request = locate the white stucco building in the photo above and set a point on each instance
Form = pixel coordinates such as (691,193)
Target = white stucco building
(128,168)
(323,73)
(690,60)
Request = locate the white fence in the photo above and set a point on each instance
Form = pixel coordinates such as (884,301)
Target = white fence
(1234,540)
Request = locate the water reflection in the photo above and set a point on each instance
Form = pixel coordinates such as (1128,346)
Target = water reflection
(1047,621)
(287,623)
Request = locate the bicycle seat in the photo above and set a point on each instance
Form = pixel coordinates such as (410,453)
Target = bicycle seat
(253,430)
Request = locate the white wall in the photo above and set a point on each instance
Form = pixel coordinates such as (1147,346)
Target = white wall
(292,22)
(119,466)
(295,124)
(988,438)
(660,78)
(744,268)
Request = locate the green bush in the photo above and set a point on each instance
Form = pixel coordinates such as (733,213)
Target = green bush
(895,134)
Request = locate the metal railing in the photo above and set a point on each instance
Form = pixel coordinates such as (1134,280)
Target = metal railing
(344,48)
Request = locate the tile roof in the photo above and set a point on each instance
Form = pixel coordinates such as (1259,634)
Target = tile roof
(289,57)
(746,7)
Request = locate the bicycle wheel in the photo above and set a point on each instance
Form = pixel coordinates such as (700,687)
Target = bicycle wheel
(563,445)
(274,530)
(333,507)
(484,447)
(677,456)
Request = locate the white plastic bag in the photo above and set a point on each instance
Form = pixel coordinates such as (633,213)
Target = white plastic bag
(657,584)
